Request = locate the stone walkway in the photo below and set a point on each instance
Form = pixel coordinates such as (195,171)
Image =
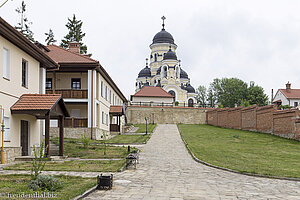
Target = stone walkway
(167,171)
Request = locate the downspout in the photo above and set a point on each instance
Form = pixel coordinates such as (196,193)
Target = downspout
(92,106)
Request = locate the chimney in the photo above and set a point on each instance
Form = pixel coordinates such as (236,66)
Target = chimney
(288,87)
(74,47)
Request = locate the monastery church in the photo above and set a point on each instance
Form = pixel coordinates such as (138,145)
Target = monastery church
(165,70)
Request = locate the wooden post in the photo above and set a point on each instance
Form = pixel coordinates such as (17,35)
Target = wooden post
(61,135)
(47,133)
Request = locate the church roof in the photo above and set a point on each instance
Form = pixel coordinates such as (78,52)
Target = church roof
(170,55)
(150,91)
(163,37)
(145,72)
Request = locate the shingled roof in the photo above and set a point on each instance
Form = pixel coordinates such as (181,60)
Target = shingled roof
(61,56)
(150,91)
(291,93)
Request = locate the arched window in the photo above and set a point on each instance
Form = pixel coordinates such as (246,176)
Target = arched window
(172,93)
(165,72)
(155,57)
(177,72)
(190,102)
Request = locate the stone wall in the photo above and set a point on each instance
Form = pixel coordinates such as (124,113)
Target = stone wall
(165,115)
(10,153)
(78,133)
(267,119)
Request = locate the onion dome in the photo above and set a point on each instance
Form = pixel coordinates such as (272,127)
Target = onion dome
(189,88)
(163,36)
(170,55)
(146,72)
(183,74)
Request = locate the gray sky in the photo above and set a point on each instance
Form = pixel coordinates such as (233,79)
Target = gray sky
(254,40)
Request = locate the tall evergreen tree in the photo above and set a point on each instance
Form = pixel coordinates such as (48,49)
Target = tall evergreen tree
(50,37)
(75,34)
(23,25)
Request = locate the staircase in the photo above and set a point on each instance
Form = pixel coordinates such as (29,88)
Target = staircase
(54,149)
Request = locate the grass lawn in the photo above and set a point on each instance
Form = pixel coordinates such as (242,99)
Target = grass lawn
(73,148)
(75,165)
(243,151)
(142,128)
(130,139)
(72,186)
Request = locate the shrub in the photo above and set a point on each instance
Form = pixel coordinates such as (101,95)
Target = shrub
(176,103)
(39,161)
(45,182)
(85,141)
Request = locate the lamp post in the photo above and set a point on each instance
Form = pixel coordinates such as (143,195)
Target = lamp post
(146,119)
(2,132)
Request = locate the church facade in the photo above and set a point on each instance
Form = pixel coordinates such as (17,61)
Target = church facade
(165,70)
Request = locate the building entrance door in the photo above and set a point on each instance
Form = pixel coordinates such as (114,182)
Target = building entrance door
(25,137)
(190,103)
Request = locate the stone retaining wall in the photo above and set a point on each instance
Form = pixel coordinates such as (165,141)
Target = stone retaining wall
(165,115)
(78,133)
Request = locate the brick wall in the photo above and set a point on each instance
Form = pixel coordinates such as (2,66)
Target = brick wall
(249,118)
(266,119)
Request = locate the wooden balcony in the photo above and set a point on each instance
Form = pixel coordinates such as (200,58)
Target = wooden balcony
(70,93)
(72,122)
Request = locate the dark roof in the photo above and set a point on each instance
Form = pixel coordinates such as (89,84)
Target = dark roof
(183,74)
(18,39)
(170,55)
(116,110)
(163,37)
(150,91)
(189,89)
(146,72)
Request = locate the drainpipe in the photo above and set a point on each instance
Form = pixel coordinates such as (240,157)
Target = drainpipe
(92,106)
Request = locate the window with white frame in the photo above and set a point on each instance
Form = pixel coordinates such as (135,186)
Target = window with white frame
(103,120)
(110,96)
(101,88)
(24,73)
(6,129)
(113,98)
(6,63)
(105,92)
(106,119)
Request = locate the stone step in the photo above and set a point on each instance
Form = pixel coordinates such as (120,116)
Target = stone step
(28,158)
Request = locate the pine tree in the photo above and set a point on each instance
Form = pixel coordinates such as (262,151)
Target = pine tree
(75,34)
(23,25)
(50,37)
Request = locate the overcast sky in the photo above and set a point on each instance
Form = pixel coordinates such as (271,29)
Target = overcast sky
(254,40)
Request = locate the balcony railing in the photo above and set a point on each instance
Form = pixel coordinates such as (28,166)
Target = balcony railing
(72,122)
(70,93)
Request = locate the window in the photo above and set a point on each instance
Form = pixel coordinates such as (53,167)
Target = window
(110,96)
(6,63)
(113,98)
(48,83)
(106,119)
(103,118)
(75,113)
(6,129)
(105,92)
(295,104)
(24,73)
(101,88)
(76,83)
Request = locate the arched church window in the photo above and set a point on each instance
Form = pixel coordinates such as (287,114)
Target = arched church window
(177,72)
(140,86)
(165,72)
(190,102)
(155,57)
(171,92)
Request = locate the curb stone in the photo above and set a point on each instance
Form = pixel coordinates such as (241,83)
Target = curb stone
(86,193)
(231,170)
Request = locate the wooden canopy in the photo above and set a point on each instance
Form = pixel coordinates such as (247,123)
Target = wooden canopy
(44,106)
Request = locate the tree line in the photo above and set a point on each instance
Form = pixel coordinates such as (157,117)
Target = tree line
(231,92)
(73,25)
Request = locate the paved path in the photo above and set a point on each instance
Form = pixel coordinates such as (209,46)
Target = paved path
(167,171)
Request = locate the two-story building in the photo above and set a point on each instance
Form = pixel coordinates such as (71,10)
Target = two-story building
(22,93)
(93,99)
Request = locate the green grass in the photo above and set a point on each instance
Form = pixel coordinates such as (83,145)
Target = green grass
(243,151)
(142,128)
(72,186)
(75,165)
(73,148)
(130,139)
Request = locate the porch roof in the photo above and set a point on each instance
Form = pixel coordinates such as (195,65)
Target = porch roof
(40,105)
(116,110)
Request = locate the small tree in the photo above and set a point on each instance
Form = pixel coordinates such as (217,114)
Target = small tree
(50,37)
(39,161)
(85,141)
(201,95)
(23,25)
